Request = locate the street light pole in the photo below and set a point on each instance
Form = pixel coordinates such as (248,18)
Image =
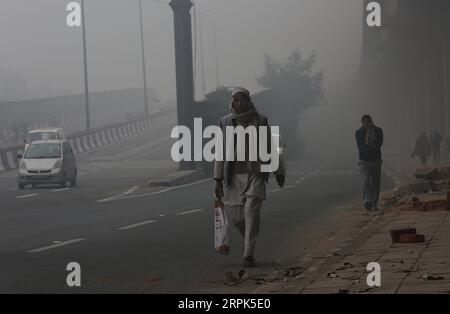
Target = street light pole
(216,55)
(143,59)
(86,83)
(201,54)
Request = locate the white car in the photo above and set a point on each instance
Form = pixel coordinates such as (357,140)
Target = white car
(44,135)
(47,162)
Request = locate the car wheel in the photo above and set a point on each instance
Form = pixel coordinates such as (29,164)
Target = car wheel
(34,186)
(21,186)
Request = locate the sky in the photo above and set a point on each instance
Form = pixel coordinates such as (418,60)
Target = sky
(41,56)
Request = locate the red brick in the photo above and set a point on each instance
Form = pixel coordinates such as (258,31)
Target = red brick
(434,205)
(395,234)
(411,238)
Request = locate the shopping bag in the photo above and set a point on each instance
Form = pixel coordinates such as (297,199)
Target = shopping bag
(221,235)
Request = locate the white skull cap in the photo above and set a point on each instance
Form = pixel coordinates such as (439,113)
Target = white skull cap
(242,90)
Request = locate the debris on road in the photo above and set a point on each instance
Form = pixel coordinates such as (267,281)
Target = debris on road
(431,277)
(232,280)
(291,271)
(434,204)
(258,279)
(427,173)
(332,275)
(420,186)
(345,266)
(430,179)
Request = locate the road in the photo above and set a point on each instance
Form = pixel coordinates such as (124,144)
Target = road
(130,239)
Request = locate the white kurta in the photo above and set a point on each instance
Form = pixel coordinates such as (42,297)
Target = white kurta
(246,185)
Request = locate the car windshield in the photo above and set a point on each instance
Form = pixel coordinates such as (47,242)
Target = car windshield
(41,151)
(42,136)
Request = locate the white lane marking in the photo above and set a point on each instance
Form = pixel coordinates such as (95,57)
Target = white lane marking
(190,211)
(121,197)
(59,190)
(131,190)
(309,174)
(127,192)
(300,180)
(54,246)
(116,198)
(137,225)
(108,199)
(26,196)
(161,215)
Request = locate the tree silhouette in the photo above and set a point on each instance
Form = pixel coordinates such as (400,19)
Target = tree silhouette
(293,86)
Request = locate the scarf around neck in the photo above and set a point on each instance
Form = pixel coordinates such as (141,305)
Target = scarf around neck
(245,116)
(371,136)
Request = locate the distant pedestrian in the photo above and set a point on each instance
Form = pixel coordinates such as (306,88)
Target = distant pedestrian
(436,139)
(369,139)
(422,149)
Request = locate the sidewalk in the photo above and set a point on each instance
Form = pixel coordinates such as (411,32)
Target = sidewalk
(405,267)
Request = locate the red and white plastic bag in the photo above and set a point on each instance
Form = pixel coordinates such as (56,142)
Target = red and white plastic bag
(221,234)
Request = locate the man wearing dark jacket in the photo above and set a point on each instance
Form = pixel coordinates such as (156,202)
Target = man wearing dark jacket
(369,139)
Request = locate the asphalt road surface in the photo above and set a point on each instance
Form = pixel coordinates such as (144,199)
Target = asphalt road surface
(129,238)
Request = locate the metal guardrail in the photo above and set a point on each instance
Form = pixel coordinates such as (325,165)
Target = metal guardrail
(88,140)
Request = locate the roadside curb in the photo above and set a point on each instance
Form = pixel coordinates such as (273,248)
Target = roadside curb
(399,179)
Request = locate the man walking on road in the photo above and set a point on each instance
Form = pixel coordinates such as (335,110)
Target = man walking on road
(422,148)
(245,183)
(436,140)
(369,139)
